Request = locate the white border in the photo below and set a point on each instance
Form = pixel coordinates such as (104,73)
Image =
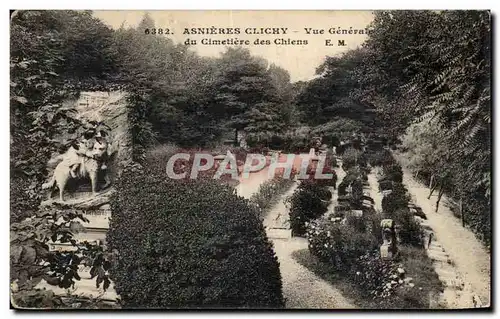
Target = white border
(198,5)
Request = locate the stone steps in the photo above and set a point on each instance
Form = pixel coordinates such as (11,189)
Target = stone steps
(279,233)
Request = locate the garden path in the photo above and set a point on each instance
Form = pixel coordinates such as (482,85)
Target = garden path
(301,287)
(465,254)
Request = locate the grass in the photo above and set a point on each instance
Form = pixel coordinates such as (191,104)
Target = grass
(416,264)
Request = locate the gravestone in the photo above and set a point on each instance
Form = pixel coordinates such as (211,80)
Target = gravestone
(388,249)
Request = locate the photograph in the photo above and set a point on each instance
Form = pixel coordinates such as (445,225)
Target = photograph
(270,160)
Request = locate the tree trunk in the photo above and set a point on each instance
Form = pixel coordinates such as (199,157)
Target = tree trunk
(440,194)
(462,214)
(432,179)
(432,190)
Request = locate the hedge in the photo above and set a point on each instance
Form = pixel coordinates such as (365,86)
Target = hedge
(189,244)
(308,202)
(269,193)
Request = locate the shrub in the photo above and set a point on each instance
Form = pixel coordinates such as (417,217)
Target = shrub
(269,192)
(377,277)
(397,199)
(351,158)
(393,172)
(188,243)
(410,231)
(339,244)
(277,142)
(327,169)
(381,157)
(308,202)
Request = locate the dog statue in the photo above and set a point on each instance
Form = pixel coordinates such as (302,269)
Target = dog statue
(87,163)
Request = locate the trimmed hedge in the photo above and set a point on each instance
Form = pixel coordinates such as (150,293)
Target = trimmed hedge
(308,202)
(189,244)
(269,192)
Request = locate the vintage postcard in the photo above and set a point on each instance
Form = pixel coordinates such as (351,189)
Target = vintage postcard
(335,160)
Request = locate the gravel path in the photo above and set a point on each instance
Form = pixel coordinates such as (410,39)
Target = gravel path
(468,255)
(301,287)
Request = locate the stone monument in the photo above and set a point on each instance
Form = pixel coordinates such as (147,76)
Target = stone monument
(388,249)
(102,146)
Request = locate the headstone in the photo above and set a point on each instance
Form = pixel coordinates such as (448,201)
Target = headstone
(357,213)
(388,249)
(386,192)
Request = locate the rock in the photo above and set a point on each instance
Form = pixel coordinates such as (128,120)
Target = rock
(400,281)
(401,271)
(407,280)
(413,285)
(89,202)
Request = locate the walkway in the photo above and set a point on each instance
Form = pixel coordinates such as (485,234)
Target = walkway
(301,287)
(464,251)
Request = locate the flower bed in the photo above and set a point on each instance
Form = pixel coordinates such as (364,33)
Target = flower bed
(269,193)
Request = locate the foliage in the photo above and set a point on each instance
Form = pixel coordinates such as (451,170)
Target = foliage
(339,244)
(269,193)
(49,63)
(397,199)
(416,76)
(393,172)
(381,157)
(308,202)
(224,260)
(337,129)
(31,260)
(329,95)
(409,230)
(353,157)
(440,79)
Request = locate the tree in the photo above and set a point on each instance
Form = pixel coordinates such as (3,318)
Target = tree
(332,93)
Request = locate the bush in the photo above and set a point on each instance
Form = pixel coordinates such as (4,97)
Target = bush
(378,278)
(381,280)
(410,231)
(327,169)
(277,142)
(351,158)
(269,192)
(188,243)
(396,200)
(308,202)
(393,172)
(381,157)
(340,244)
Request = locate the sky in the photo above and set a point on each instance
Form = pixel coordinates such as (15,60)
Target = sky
(300,61)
